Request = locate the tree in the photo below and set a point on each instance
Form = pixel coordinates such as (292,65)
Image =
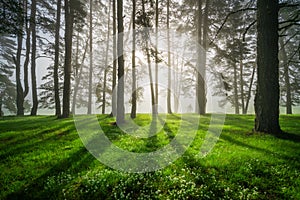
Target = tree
(7,87)
(120,94)
(33,59)
(56,60)
(134,92)
(267,95)
(74,15)
(89,111)
(114,78)
(69,17)
(169,108)
(17,61)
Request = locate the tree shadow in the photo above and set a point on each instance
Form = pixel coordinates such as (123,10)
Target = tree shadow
(35,189)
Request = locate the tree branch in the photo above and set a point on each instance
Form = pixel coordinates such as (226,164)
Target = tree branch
(226,18)
(247,29)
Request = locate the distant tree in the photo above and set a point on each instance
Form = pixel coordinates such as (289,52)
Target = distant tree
(134,92)
(89,111)
(288,55)
(7,89)
(120,96)
(267,94)
(169,106)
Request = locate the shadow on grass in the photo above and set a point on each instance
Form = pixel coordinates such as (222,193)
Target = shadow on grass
(289,136)
(75,163)
(41,139)
(267,152)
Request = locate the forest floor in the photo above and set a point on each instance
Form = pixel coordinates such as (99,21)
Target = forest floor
(43,158)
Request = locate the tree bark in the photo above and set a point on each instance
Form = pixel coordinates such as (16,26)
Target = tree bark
(89,111)
(33,60)
(27,56)
(202,92)
(286,78)
(68,59)
(120,97)
(236,97)
(242,86)
(56,60)
(267,94)
(249,91)
(114,79)
(17,60)
(106,62)
(169,106)
(156,55)
(78,77)
(154,112)
(133,97)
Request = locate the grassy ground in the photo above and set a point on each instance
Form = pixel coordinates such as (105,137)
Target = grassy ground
(43,158)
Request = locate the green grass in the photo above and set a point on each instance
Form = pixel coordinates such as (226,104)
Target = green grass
(43,158)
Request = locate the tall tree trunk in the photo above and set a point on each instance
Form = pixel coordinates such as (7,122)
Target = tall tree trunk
(56,60)
(286,78)
(156,55)
(133,97)
(267,94)
(120,97)
(17,60)
(154,111)
(169,108)
(89,111)
(236,97)
(33,60)
(199,77)
(250,89)
(242,86)
(1,112)
(106,62)
(68,59)
(202,87)
(78,76)
(27,55)
(114,79)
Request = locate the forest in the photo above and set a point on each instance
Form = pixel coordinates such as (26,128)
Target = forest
(148,99)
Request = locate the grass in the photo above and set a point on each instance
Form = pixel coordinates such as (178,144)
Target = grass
(43,158)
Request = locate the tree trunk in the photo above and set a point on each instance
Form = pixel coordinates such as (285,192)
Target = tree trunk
(236,97)
(78,77)
(286,78)
(156,55)
(133,97)
(106,62)
(267,94)
(202,97)
(242,86)
(114,79)
(89,111)
(249,91)
(27,56)
(33,60)
(17,60)
(68,59)
(120,97)
(169,107)
(56,60)
(200,85)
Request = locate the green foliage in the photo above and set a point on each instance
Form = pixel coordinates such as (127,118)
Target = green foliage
(11,17)
(43,157)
